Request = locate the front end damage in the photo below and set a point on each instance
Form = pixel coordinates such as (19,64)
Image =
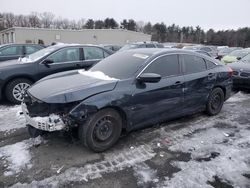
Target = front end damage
(54,117)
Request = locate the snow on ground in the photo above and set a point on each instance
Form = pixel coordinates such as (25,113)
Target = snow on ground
(219,147)
(17,156)
(144,174)
(239,97)
(113,162)
(10,118)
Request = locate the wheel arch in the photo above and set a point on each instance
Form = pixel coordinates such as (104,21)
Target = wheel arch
(221,87)
(121,113)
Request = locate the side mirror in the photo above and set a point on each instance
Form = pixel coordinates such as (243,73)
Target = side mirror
(238,58)
(47,62)
(149,77)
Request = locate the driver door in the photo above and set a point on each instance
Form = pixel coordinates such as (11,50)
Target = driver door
(62,60)
(156,102)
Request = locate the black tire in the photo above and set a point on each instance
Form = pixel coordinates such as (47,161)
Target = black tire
(215,101)
(101,131)
(10,89)
(33,132)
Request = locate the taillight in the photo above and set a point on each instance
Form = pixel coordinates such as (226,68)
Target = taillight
(230,72)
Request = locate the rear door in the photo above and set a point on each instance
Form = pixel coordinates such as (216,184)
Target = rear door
(92,55)
(199,80)
(11,52)
(156,102)
(63,60)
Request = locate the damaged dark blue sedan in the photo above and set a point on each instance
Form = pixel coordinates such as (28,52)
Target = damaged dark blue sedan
(127,91)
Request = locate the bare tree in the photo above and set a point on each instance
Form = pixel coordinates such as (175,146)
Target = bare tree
(9,20)
(34,20)
(47,19)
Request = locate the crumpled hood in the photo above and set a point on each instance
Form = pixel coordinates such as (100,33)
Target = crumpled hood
(69,86)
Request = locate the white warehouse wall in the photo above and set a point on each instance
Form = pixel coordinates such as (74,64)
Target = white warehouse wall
(86,36)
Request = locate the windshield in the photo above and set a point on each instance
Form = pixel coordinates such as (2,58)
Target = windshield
(128,46)
(121,65)
(39,54)
(239,53)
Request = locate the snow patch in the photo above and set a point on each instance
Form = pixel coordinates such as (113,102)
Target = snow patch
(239,97)
(17,156)
(229,165)
(144,174)
(10,118)
(50,118)
(96,74)
(113,162)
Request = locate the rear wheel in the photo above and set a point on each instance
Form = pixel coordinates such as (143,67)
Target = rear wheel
(102,130)
(16,89)
(33,132)
(215,101)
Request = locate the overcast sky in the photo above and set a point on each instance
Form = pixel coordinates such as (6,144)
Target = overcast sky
(216,14)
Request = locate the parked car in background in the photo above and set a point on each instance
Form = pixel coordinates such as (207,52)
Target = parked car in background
(141,45)
(235,56)
(112,47)
(241,73)
(225,51)
(212,50)
(17,75)
(14,51)
(201,52)
(127,91)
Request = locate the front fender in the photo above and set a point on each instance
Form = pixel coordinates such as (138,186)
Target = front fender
(93,104)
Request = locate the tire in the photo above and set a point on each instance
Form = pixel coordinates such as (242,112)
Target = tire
(17,86)
(101,131)
(215,101)
(33,132)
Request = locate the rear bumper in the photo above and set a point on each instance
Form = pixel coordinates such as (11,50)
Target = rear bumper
(241,83)
(49,123)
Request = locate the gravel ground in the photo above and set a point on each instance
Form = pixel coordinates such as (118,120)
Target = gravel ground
(194,151)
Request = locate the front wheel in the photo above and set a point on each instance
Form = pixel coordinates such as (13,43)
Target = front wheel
(16,89)
(102,130)
(215,101)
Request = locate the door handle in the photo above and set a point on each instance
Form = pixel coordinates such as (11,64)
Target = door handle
(177,83)
(210,74)
(78,65)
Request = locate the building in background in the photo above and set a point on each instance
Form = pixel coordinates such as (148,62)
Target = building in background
(85,36)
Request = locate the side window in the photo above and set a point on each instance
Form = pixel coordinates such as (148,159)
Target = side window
(93,53)
(210,64)
(31,49)
(192,64)
(105,54)
(165,66)
(12,50)
(142,46)
(206,49)
(150,45)
(159,45)
(65,55)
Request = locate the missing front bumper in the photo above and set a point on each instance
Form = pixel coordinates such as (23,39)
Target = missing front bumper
(49,123)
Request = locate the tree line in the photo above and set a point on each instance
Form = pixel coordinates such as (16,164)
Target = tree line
(160,32)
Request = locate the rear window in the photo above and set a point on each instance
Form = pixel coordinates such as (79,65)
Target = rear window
(210,64)
(192,64)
